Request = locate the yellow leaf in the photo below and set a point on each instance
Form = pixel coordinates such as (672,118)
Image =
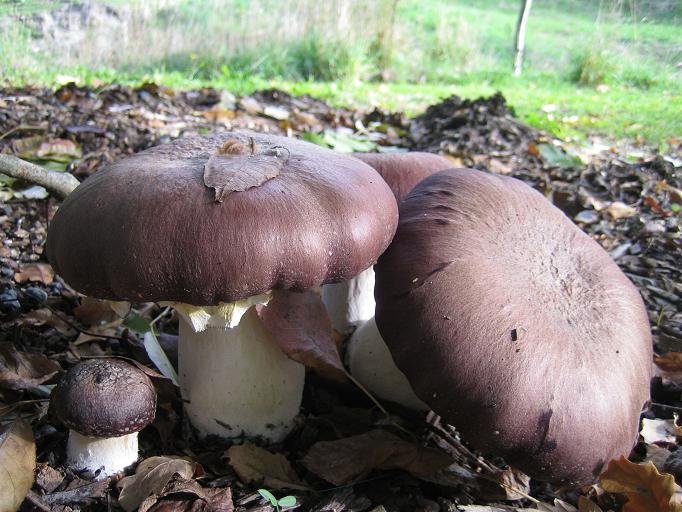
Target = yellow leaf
(646,489)
(17,464)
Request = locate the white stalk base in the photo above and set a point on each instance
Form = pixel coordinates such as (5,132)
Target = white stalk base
(370,362)
(350,303)
(238,382)
(111,455)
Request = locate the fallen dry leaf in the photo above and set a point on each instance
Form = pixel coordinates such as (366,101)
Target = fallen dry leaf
(301,327)
(658,456)
(670,362)
(151,476)
(59,150)
(237,167)
(48,478)
(658,431)
(341,461)
(17,464)
(22,371)
(181,495)
(619,210)
(511,481)
(557,506)
(44,316)
(646,489)
(488,508)
(93,311)
(587,505)
(255,464)
(35,272)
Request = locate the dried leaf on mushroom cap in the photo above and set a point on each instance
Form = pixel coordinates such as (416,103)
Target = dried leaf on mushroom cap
(236,167)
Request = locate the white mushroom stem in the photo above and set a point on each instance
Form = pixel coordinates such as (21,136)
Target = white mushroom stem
(110,455)
(350,303)
(237,381)
(370,362)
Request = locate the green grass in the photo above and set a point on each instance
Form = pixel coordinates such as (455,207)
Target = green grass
(605,70)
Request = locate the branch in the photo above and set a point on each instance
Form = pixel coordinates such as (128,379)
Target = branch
(61,183)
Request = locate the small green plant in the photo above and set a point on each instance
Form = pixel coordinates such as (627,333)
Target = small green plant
(279,504)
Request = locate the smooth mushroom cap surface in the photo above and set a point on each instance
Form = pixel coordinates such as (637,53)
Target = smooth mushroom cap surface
(104,398)
(514,325)
(148,228)
(402,171)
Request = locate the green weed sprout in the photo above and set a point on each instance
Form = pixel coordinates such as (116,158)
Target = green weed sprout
(279,504)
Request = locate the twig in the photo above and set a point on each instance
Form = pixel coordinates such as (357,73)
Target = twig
(35,500)
(10,407)
(61,183)
(376,402)
(80,330)
(461,449)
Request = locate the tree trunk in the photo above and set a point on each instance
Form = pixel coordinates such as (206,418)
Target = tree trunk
(521,36)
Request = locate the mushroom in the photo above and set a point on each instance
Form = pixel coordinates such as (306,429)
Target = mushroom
(514,325)
(211,225)
(104,403)
(351,303)
(370,363)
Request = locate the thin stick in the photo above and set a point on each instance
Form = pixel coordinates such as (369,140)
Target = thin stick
(376,402)
(61,183)
(82,331)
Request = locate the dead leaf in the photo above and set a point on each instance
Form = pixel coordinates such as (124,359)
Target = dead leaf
(587,505)
(22,371)
(44,316)
(181,495)
(17,464)
(658,431)
(511,481)
(255,464)
(339,462)
(670,362)
(93,311)
(488,508)
(48,478)
(35,272)
(219,115)
(533,149)
(658,456)
(151,476)
(59,150)
(300,325)
(236,167)
(646,489)
(651,202)
(619,210)
(78,491)
(558,506)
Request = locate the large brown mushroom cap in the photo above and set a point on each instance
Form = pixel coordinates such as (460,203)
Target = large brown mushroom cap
(402,171)
(104,398)
(147,228)
(514,325)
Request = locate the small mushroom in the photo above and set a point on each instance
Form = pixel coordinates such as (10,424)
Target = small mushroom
(104,403)
(514,325)
(351,303)
(212,225)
